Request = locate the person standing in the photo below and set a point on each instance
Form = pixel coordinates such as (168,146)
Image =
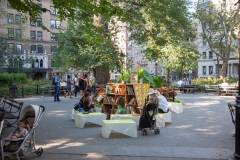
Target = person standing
(69,86)
(82,85)
(75,81)
(93,84)
(57,81)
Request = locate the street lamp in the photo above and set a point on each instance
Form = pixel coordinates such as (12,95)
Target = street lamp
(237,106)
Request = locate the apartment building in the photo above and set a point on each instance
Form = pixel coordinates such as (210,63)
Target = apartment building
(29,40)
(209,65)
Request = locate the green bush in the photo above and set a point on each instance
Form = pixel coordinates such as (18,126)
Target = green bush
(6,79)
(214,81)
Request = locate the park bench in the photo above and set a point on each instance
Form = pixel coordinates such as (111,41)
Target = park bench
(215,89)
(190,88)
(12,110)
(51,90)
(228,90)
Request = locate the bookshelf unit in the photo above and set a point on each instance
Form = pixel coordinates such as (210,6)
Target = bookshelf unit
(133,94)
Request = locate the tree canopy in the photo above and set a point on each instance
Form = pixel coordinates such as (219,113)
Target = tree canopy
(220,24)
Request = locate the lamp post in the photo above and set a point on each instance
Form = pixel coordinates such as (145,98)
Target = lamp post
(237,105)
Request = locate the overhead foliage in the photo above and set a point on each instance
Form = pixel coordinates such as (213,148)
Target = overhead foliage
(82,46)
(220,26)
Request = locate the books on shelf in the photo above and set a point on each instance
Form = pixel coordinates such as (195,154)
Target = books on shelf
(130,90)
(133,101)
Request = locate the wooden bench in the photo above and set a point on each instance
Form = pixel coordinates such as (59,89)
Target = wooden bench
(12,110)
(51,90)
(189,88)
(228,90)
(215,89)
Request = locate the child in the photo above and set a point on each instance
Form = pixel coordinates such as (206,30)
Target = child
(120,105)
(23,128)
(88,103)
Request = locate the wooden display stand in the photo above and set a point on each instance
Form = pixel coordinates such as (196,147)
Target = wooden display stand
(134,95)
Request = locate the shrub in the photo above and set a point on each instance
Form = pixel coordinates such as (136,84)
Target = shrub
(214,81)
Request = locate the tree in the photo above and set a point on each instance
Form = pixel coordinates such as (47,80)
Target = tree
(83,46)
(220,23)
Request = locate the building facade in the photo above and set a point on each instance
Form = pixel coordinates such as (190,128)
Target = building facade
(209,65)
(29,41)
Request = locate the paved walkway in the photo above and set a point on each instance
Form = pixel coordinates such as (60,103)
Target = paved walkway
(203,131)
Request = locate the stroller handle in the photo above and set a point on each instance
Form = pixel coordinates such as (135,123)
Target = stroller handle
(43,108)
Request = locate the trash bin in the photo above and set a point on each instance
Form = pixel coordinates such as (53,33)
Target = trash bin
(13,90)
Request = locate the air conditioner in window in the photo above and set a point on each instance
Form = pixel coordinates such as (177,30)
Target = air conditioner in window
(33,23)
(58,26)
(33,51)
(40,38)
(52,39)
(28,51)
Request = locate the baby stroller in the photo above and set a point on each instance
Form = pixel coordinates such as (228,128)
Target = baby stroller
(147,120)
(25,145)
(2,117)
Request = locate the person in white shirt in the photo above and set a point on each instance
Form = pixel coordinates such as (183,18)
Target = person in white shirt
(225,83)
(162,101)
(180,83)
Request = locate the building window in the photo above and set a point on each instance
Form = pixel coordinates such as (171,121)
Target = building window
(52,62)
(210,70)
(19,48)
(11,46)
(204,70)
(204,55)
(53,10)
(18,19)
(18,33)
(41,63)
(55,24)
(40,49)
(33,35)
(53,37)
(33,48)
(10,18)
(10,33)
(40,35)
(53,49)
(40,6)
(37,64)
(204,42)
(39,22)
(32,23)
(8,5)
(210,55)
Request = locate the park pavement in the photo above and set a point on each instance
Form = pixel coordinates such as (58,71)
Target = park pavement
(203,131)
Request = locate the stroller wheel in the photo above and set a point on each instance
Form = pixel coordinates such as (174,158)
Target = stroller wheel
(155,131)
(144,132)
(158,131)
(39,151)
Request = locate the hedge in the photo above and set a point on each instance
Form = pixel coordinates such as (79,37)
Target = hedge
(6,79)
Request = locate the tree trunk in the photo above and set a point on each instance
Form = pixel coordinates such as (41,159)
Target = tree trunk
(102,77)
(224,67)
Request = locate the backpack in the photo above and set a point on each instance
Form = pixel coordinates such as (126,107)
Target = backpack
(53,81)
(81,82)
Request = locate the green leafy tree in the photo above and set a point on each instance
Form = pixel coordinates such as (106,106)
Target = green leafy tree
(220,23)
(83,46)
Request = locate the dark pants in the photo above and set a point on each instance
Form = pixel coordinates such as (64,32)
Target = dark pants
(76,90)
(93,88)
(56,94)
(161,111)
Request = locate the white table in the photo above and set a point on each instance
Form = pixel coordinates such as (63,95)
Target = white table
(96,118)
(124,126)
(162,118)
(126,116)
(175,107)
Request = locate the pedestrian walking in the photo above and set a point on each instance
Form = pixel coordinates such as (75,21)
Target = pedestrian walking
(69,86)
(75,81)
(57,81)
